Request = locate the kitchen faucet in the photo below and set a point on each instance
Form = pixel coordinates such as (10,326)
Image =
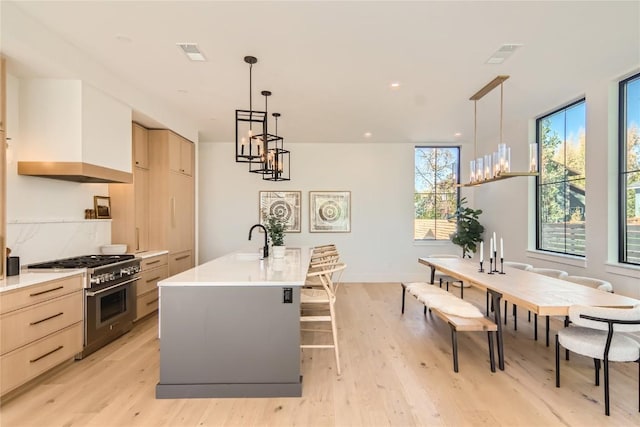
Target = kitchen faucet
(265,252)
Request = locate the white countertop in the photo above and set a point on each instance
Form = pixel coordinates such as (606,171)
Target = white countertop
(31,278)
(149,254)
(244,268)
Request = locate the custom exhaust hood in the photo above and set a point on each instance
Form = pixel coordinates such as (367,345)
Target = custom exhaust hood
(73,132)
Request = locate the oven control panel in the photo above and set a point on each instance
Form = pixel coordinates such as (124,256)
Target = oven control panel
(110,276)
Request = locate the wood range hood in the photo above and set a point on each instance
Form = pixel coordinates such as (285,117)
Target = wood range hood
(74,171)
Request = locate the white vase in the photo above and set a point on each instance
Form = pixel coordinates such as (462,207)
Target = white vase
(278,251)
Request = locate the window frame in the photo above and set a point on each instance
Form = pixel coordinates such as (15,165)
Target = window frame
(458,149)
(622,170)
(539,184)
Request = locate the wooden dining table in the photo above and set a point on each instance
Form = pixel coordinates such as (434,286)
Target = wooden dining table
(542,295)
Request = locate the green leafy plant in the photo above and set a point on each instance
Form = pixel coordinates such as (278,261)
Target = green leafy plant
(468,229)
(276,227)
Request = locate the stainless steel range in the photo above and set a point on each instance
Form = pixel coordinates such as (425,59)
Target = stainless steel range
(110,295)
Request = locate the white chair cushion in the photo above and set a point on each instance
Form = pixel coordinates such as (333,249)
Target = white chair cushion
(591,342)
(606,313)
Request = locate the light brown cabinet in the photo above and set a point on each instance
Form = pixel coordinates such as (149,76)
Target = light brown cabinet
(130,202)
(40,327)
(172,198)
(181,154)
(153,269)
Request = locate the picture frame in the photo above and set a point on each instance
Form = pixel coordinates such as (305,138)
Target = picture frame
(282,204)
(329,211)
(102,206)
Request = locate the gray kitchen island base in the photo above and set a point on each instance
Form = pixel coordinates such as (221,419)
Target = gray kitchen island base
(199,391)
(229,340)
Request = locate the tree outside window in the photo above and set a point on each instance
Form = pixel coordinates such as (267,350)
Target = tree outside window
(435,192)
(629,131)
(561,184)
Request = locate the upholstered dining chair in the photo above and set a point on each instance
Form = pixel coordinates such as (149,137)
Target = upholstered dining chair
(318,305)
(600,333)
(551,272)
(443,278)
(599,284)
(519,266)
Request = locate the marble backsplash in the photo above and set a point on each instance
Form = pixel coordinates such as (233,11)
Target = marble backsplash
(46,240)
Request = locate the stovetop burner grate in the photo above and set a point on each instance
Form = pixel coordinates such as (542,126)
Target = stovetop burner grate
(86,261)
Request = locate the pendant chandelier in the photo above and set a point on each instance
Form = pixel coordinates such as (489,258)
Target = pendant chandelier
(248,124)
(278,159)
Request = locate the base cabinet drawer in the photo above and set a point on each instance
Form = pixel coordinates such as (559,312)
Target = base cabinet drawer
(179,262)
(19,366)
(21,327)
(23,297)
(146,304)
(149,279)
(154,261)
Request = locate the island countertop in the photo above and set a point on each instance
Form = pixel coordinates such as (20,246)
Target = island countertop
(245,268)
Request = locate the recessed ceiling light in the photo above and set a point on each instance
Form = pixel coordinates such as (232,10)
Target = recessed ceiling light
(123,38)
(367,134)
(192,51)
(504,52)
(457,134)
(395,85)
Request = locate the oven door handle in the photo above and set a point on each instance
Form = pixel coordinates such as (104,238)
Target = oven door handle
(101,291)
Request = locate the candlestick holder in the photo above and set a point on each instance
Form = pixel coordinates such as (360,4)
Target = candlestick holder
(495,264)
(481,269)
(490,266)
(502,266)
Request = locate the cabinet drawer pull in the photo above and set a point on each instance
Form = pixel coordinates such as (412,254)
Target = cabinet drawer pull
(153,262)
(152,301)
(46,354)
(154,279)
(182,257)
(46,318)
(47,291)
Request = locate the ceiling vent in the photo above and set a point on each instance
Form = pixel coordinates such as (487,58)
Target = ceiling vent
(192,51)
(501,55)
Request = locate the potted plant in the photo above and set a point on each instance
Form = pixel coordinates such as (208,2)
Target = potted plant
(468,229)
(276,227)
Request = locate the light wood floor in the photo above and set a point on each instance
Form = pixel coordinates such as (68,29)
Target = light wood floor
(396,370)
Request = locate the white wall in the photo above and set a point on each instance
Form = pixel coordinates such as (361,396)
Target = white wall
(380,177)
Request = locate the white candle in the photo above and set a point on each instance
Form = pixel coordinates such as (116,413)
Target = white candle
(481,251)
(501,249)
(495,243)
(491,248)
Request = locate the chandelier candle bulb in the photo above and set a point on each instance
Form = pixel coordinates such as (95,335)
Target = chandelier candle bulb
(487,166)
(496,164)
(507,162)
(502,154)
(479,169)
(472,170)
(533,157)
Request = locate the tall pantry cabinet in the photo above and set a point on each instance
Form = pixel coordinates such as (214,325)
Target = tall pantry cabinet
(172,198)
(3,165)
(130,202)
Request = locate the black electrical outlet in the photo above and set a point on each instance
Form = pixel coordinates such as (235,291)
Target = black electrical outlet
(287,295)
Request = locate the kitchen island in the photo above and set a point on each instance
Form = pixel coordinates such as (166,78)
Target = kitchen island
(231,327)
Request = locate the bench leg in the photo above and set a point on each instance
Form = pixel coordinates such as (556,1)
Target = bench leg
(505,313)
(596,362)
(433,275)
(495,297)
(404,289)
(515,317)
(461,290)
(454,344)
(557,361)
(492,359)
(535,326)
(487,304)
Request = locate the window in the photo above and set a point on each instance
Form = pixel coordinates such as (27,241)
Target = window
(561,203)
(629,132)
(436,195)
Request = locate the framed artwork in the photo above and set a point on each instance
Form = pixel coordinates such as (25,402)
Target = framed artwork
(102,206)
(282,204)
(330,211)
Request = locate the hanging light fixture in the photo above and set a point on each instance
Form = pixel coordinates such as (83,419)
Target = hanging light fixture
(280,158)
(248,124)
(265,142)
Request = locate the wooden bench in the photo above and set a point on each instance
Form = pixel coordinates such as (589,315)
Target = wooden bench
(456,322)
